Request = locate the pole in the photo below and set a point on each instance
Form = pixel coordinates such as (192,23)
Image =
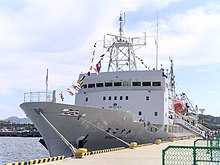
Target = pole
(156,42)
(47,86)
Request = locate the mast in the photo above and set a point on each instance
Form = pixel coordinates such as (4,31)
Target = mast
(156,42)
(122,23)
(172,78)
(121,48)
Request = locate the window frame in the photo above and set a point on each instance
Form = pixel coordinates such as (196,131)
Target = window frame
(99,85)
(117,84)
(136,83)
(156,83)
(147,83)
(108,84)
(91,85)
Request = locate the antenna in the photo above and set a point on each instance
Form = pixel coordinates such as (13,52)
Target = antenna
(124,18)
(121,26)
(156,42)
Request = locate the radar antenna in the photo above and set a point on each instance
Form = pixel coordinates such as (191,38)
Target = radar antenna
(121,48)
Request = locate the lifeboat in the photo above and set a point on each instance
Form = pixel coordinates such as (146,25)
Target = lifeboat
(179,107)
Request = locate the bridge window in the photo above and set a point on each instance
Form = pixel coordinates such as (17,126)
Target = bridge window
(136,83)
(139,113)
(126,98)
(99,84)
(155,113)
(156,83)
(91,85)
(87,99)
(104,98)
(146,83)
(127,83)
(108,84)
(109,98)
(121,97)
(116,84)
(84,86)
(115,97)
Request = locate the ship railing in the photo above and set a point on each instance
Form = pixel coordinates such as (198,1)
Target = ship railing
(39,97)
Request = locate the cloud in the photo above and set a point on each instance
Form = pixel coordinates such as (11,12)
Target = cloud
(59,35)
(36,35)
(193,36)
(54,25)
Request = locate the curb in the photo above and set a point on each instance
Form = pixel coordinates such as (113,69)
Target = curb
(38,161)
(103,151)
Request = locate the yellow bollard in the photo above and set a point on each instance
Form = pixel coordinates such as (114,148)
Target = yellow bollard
(80,152)
(172,139)
(132,145)
(158,141)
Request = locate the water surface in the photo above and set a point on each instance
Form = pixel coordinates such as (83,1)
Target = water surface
(18,149)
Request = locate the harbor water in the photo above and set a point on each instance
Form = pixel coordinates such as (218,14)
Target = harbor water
(18,149)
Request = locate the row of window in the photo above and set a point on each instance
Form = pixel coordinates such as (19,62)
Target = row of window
(116,98)
(118,84)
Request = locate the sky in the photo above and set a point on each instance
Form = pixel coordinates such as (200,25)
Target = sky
(60,34)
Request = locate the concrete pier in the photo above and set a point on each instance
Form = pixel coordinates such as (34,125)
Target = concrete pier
(151,154)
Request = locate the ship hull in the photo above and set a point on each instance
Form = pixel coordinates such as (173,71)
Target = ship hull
(92,128)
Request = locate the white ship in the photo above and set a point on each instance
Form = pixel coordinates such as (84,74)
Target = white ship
(114,108)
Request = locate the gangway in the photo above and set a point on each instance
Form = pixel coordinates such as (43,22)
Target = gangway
(179,120)
(203,127)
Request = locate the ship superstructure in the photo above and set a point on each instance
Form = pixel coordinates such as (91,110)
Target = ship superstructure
(116,107)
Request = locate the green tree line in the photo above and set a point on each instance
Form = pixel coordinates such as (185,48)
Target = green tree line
(210,121)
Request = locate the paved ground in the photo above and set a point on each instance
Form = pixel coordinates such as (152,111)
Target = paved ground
(147,155)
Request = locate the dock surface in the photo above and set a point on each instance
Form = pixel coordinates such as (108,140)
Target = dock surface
(151,154)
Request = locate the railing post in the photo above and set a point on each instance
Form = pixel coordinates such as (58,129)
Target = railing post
(30,96)
(211,150)
(194,155)
(38,96)
(163,156)
(54,96)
